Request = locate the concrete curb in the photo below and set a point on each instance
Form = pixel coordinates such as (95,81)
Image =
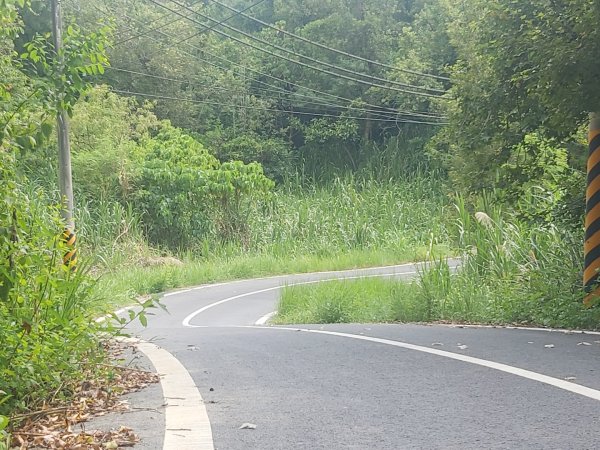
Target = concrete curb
(187,425)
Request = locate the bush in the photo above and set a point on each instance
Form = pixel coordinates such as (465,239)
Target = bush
(186,195)
(273,154)
(538,183)
(106,130)
(46,330)
(514,272)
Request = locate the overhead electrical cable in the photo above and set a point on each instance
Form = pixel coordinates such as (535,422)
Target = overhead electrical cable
(160,27)
(207,29)
(372,113)
(290,52)
(256,108)
(382,109)
(318,69)
(326,47)
(427,115)
(324,63)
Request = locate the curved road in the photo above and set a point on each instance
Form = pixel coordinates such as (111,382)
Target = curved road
(388,386)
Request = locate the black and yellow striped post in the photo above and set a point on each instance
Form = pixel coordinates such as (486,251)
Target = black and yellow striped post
(591,274)
(70,257)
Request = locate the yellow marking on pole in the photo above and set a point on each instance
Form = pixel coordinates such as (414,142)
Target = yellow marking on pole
(592,216)
(594,158)
(593,187)
(592,242)
(591,270)
(70,257)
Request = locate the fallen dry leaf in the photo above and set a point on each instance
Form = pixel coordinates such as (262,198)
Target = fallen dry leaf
(56,426)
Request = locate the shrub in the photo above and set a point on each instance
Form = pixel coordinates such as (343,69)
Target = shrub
(186,195)
(273,154)
(538,183)
(46,331)
(513,272)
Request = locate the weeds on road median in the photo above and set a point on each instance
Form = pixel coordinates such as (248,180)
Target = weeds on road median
(339,301)
(512,273)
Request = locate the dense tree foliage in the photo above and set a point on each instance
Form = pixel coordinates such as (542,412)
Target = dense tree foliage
(522,67)
(203,108)
(231,90)
(514,68)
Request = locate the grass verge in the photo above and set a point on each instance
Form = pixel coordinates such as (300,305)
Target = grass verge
(513,273)
(464,301)
(358,301)
(120,287)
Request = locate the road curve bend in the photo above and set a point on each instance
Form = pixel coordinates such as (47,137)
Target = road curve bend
(356,386)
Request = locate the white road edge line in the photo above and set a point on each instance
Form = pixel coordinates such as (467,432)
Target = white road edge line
(555,382)
(274,277)
(264,319)
(187,426)
(510,327)
(188,319)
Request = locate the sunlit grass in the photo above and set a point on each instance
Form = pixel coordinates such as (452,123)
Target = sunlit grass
(347,224)
(123,285)
(512,273)
(358,301)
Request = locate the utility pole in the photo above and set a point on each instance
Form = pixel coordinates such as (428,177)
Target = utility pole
(591,275)
(65,180)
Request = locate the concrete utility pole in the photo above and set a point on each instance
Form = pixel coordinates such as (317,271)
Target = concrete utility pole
(65,180)
(591,275)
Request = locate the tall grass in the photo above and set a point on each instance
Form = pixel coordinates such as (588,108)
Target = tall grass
(346,223)
(111,233)
(513,272)
(350,214)
(47,332)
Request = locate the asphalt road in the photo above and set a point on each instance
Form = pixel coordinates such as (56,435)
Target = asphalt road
(389,386)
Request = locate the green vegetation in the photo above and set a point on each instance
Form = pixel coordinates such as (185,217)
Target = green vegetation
(357,301)
(48,337)
(433,128)
(42,303)
(504,279)
(349,223)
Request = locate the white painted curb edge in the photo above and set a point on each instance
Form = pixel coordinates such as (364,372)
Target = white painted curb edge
(187,426)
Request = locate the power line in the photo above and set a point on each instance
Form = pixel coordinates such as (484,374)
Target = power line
(425,115)
(160,27)
(380,114)
(331,49)
(164,97)
(205,30)
(318,69)
(324,63)
(290,52)
(271,91)
(411,113)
